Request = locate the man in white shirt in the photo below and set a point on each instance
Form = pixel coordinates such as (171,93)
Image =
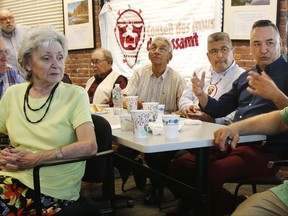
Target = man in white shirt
(219,77)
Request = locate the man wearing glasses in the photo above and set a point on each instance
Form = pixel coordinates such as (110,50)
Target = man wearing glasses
(100,86)
(13,35)
(260,90)
(155,82)
(219,77)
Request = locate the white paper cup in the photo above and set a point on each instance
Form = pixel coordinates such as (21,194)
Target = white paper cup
(171,125)
(126,122)
(140,120)
(131,103)
(153,110)
(161,109)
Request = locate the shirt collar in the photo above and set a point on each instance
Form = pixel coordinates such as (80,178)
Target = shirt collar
(163,75)
(6,35)
(231,67)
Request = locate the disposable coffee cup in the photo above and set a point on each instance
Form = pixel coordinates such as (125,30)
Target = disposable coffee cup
(140,120)
(153,110)
(171,125)
(131,103)
(126,122)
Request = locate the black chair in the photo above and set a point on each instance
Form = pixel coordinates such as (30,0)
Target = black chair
(266,180)
(270,180)
(104,139)
(83,206)
(99,168)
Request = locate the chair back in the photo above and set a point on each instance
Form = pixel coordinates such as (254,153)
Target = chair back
(96,169)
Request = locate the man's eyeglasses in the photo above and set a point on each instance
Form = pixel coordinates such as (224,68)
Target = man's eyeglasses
(6,18)
(159,49)
(225,50)
(6,52)
(96,61)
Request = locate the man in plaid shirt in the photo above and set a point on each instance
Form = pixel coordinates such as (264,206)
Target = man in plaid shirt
(8,75)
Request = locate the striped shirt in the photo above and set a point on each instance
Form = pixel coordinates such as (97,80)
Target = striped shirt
(166,89)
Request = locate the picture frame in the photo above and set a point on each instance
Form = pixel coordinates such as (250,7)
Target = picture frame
(79,24)
(239,16)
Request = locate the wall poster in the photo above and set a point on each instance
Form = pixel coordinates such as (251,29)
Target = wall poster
(79,23)
(240,15)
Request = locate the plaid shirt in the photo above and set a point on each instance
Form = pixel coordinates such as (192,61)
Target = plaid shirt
(10,77)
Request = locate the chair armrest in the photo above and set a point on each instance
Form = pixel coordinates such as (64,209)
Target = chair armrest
(36,170)
(279,163)
(73,160)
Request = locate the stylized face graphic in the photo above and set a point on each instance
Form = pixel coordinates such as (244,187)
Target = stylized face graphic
(130,34)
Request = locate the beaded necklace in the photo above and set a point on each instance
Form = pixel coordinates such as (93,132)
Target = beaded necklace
(26,101)
(212,89)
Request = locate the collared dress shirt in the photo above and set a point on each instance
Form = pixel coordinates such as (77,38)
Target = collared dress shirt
(247,104)
(166,89)
(223,81)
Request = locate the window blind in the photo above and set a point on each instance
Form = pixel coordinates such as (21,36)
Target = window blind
(36,12)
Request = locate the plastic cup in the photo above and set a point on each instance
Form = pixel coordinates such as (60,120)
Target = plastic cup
(153,110)
(126,122)
(171,125)
(140,120)
(132,102)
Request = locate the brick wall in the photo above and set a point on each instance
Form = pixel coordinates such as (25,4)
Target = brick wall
(78,62)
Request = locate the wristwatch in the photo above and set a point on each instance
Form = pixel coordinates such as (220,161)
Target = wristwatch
(59,154)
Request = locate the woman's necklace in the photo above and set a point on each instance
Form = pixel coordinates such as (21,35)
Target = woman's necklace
(26,101)
(212,89)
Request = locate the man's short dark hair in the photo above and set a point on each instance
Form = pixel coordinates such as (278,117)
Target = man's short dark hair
(264,23)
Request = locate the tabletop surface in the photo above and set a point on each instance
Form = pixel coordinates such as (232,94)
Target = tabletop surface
(190,136)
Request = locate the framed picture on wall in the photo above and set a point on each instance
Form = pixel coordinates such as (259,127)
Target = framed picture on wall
(79,23)
(239,16)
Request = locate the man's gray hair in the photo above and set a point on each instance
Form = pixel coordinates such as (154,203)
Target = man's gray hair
(107,55)
(219,36)
(170,49)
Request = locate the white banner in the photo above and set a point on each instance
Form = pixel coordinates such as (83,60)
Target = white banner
(128,27)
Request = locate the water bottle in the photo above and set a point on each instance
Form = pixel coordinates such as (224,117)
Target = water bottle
(117,96)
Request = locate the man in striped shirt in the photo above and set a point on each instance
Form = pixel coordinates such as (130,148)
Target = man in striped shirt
(155,82)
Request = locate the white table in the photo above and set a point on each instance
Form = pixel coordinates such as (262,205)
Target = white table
(190,136)
(197,137)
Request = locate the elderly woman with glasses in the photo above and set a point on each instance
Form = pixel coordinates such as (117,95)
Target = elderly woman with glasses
(45,119)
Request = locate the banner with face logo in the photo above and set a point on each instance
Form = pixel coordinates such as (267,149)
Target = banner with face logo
(128,27)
